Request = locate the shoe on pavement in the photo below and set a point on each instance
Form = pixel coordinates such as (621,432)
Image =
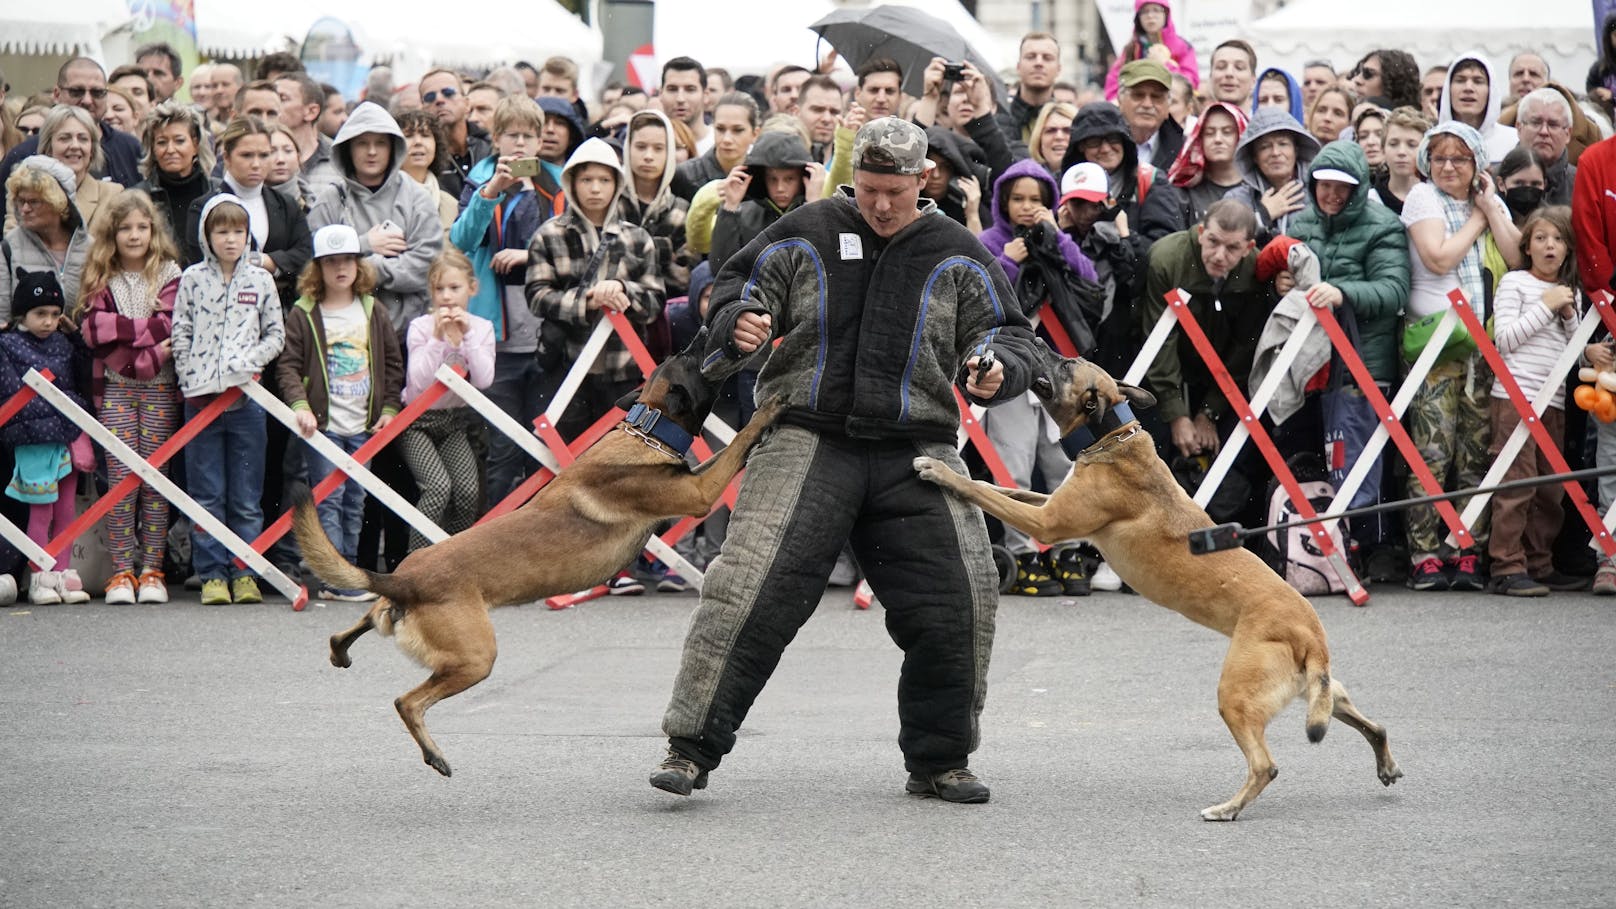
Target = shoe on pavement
(44,589)
(72,586)
(1519,585)
(1067,567)
(245,590)
(1605,579)
(8,590)
(121,589)
(153,589)
(678,774)
(345,595)
(1555,580)
(1428,575)
(671,582)
(958,785)
(1105,578)
(1466,573)
(1033,579)
(625,586)
(215,592)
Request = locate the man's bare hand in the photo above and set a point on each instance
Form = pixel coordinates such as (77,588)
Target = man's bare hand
(752,331)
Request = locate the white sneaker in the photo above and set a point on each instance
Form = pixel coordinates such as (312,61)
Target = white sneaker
(71,586)
(44,589)
(8,590)
(1105,579)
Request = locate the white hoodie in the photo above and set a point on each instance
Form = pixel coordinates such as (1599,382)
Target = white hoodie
(224,332)
(1499,139)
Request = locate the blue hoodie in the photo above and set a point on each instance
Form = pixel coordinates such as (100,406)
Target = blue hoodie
(1002,232)
(1294,88)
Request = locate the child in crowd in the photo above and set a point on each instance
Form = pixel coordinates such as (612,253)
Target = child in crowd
(437,446)
(39,436)
(777,177)
(227,328)
(1534,316)
(341,373)
(129,286)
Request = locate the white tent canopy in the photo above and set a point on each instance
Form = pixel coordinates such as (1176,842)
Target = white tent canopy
(60,27)
(1434,31)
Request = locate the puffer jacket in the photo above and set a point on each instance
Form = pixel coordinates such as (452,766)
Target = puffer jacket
(401,279)
(872,332)
(22,248)
(1267,121)
(38,423)
(1363,252)
(224,332)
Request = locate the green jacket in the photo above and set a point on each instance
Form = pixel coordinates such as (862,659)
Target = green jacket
(1363,251)
(1232,316)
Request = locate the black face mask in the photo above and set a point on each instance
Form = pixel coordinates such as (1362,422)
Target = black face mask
(1523,200)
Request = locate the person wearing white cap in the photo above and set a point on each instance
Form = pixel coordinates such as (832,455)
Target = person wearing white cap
(342,373)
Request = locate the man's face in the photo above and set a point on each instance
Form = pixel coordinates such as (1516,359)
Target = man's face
(83,86)
(879,94)
(682,95)
(1431,92)
(1331,195)
(372,154)
(161,74)
(333,115)
(442,97)
(1232,77)
(1527,73)
(480,107)
(1545,129)
(713,91)
(226,83)
(818,110)
(553,140)
(530,82)
(785,92)
(557,87)
(1039,64)
(264,105)
(1467,94)
(1222,249)
(888,202)
(294,113)
(1144,106)
(135,87)
(1315,79)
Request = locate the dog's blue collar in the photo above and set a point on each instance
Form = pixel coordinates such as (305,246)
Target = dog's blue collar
(649,423)
(1083,437)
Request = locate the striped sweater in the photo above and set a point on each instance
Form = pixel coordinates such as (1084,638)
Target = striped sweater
(127,346)
(1529,335)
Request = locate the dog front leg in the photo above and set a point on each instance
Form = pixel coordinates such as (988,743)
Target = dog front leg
(696,494)
(1025,515)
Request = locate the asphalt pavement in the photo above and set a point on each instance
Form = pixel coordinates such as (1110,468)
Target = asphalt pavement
(186,756)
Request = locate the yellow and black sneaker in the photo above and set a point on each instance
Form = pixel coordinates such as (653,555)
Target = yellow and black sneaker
(1033,579)
(1067,567)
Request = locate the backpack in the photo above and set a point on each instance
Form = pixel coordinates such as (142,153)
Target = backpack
(1296,557)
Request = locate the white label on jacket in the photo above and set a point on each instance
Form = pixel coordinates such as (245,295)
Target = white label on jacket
(852,247)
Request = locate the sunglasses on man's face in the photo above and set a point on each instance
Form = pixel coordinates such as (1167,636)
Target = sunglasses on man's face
(432,96)
(79,91)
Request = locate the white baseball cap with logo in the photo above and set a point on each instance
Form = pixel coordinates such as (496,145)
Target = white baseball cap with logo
(1085,181)
(335,240)
(1339,176)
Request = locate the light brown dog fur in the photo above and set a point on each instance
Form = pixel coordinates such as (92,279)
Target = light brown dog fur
(579,531)
(1121,497)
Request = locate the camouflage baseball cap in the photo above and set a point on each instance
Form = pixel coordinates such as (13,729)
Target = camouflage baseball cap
(889,145)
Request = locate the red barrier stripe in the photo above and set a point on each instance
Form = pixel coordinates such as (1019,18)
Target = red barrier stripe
(18,401)
(1540,434)
(984,445)
(1394,428)
(1057,333)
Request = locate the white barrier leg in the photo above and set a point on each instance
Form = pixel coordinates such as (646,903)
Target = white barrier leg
(344,462)
(19,538)
(580,368)
(155,479)
(1153,345)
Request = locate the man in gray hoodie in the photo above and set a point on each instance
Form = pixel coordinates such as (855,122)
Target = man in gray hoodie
(395,217)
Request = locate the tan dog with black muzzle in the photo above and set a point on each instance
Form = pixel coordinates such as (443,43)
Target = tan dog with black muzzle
(1121,497)
(579,531)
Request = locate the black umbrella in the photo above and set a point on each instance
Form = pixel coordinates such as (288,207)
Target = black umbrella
(906,35)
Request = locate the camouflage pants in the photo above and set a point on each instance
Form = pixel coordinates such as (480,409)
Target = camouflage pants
(1450,422)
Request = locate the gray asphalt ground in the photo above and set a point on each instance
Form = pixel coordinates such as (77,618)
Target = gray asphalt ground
(188,756)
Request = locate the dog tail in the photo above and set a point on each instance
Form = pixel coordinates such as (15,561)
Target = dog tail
(1320,703)
(329,564)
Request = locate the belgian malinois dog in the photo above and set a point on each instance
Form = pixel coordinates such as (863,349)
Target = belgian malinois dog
(1121,497)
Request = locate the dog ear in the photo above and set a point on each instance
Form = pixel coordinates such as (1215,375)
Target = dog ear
(1137,397)
(1042,387)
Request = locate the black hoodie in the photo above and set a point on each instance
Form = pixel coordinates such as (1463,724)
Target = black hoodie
(734,229)
(1162,211)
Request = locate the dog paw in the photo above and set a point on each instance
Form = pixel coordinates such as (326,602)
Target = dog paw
(340,659)
(1390,775)
(1224,812)
(930,469)
(771,409)
(436,762)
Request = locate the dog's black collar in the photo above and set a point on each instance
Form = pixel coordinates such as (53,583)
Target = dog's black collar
(1083,437)
(648,423)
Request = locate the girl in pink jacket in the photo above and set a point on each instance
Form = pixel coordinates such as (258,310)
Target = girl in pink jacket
(1154,38)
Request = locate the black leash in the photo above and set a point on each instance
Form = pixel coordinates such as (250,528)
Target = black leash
(1229,536)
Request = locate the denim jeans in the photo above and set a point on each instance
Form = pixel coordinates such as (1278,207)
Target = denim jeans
(224,470)
(518,391)
(343,511)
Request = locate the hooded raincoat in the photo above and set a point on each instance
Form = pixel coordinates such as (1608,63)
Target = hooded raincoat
(1293,89)
(734,229)
(1265,122)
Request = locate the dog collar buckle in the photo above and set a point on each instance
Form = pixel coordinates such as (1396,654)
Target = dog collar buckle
(1083,438)
(648,423)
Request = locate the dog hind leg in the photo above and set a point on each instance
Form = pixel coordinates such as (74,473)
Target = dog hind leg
(457,664)
(1385,766)
(341,642)
(1258,681)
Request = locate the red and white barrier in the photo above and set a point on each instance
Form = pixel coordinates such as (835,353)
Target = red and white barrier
(37,555)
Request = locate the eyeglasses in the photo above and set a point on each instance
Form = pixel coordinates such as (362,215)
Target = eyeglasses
(1058,130)
(1545,123)
(1366,72)
(79,91)
(25,203)
(1096,141)
(1454,162)
(432,96)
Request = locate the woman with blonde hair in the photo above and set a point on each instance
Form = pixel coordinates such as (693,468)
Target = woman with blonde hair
(49,234)
(71,136)
(177,163)
(1050,135)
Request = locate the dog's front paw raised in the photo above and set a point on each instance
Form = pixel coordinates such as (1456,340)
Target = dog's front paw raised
(770,410)
(930,469)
